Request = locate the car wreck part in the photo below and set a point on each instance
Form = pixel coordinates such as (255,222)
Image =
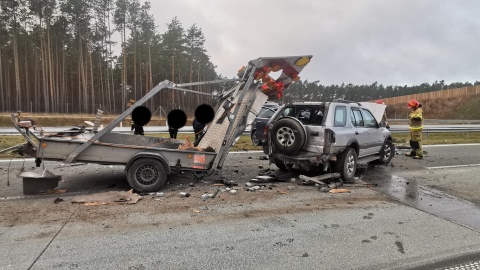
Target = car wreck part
(160,155)
(34,183)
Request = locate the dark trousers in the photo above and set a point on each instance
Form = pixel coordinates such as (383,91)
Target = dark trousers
(173,133)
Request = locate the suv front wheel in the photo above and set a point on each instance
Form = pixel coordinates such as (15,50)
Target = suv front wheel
(387,152)
(346,164)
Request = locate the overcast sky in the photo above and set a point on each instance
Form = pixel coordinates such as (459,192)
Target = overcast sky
(393,42)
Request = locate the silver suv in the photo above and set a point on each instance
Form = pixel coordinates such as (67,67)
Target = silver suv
(336,135)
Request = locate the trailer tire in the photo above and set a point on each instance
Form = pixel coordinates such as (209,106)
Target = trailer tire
(146,175)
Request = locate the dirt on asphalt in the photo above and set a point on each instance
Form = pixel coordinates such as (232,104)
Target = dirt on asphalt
(275,198)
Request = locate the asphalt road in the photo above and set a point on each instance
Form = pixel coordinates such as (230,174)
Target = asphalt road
(286,225)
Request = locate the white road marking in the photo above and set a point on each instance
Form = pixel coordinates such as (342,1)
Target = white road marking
(16,160)
(447,145)
(453,166)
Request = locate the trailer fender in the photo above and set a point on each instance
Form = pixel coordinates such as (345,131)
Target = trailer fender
(156,156)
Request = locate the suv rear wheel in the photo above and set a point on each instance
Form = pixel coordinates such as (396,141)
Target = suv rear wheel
(288,136)
(346,164)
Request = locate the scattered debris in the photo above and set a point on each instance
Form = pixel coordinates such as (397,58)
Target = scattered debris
(318,179)
(263,158)
(248,184)
(360,185)
(339,190)
(34,183)
(282,192)
(184,194)
(226,182)
(260,166)
(209,195)
(196,211)
(305,254)
(127,197)
(264,179)
(191,185)
(233,191)
(58,200)
(93,203)
(160,194)
(255,188)
(266,172)
(206,196)
(54,191)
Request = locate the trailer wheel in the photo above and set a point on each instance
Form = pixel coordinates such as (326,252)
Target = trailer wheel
(146,175)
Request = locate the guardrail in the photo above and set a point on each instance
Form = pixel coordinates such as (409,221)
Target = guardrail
(440,121)
(437,130)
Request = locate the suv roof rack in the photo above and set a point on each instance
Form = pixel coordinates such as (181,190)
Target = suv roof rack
(341,100)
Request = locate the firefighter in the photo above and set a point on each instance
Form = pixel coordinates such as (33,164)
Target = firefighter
(384,122)
(415,122)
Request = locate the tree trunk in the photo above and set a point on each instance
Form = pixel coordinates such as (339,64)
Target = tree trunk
(173,79)
(64,83)
(135,67)
(44,75)
(102,93)
(150,82)
(92,86)
(50,71)
(2,97)
(37,82)
(17,74)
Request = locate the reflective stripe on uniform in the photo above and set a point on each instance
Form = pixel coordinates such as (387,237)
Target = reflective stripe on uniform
(416,128)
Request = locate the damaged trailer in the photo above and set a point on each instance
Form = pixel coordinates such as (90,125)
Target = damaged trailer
(149,160)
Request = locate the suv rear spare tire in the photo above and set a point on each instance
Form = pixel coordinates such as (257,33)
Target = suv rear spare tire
(346,164)
(288,135)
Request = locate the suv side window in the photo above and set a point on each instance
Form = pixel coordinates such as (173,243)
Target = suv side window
(370,121)
(357,119)
(340,119)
